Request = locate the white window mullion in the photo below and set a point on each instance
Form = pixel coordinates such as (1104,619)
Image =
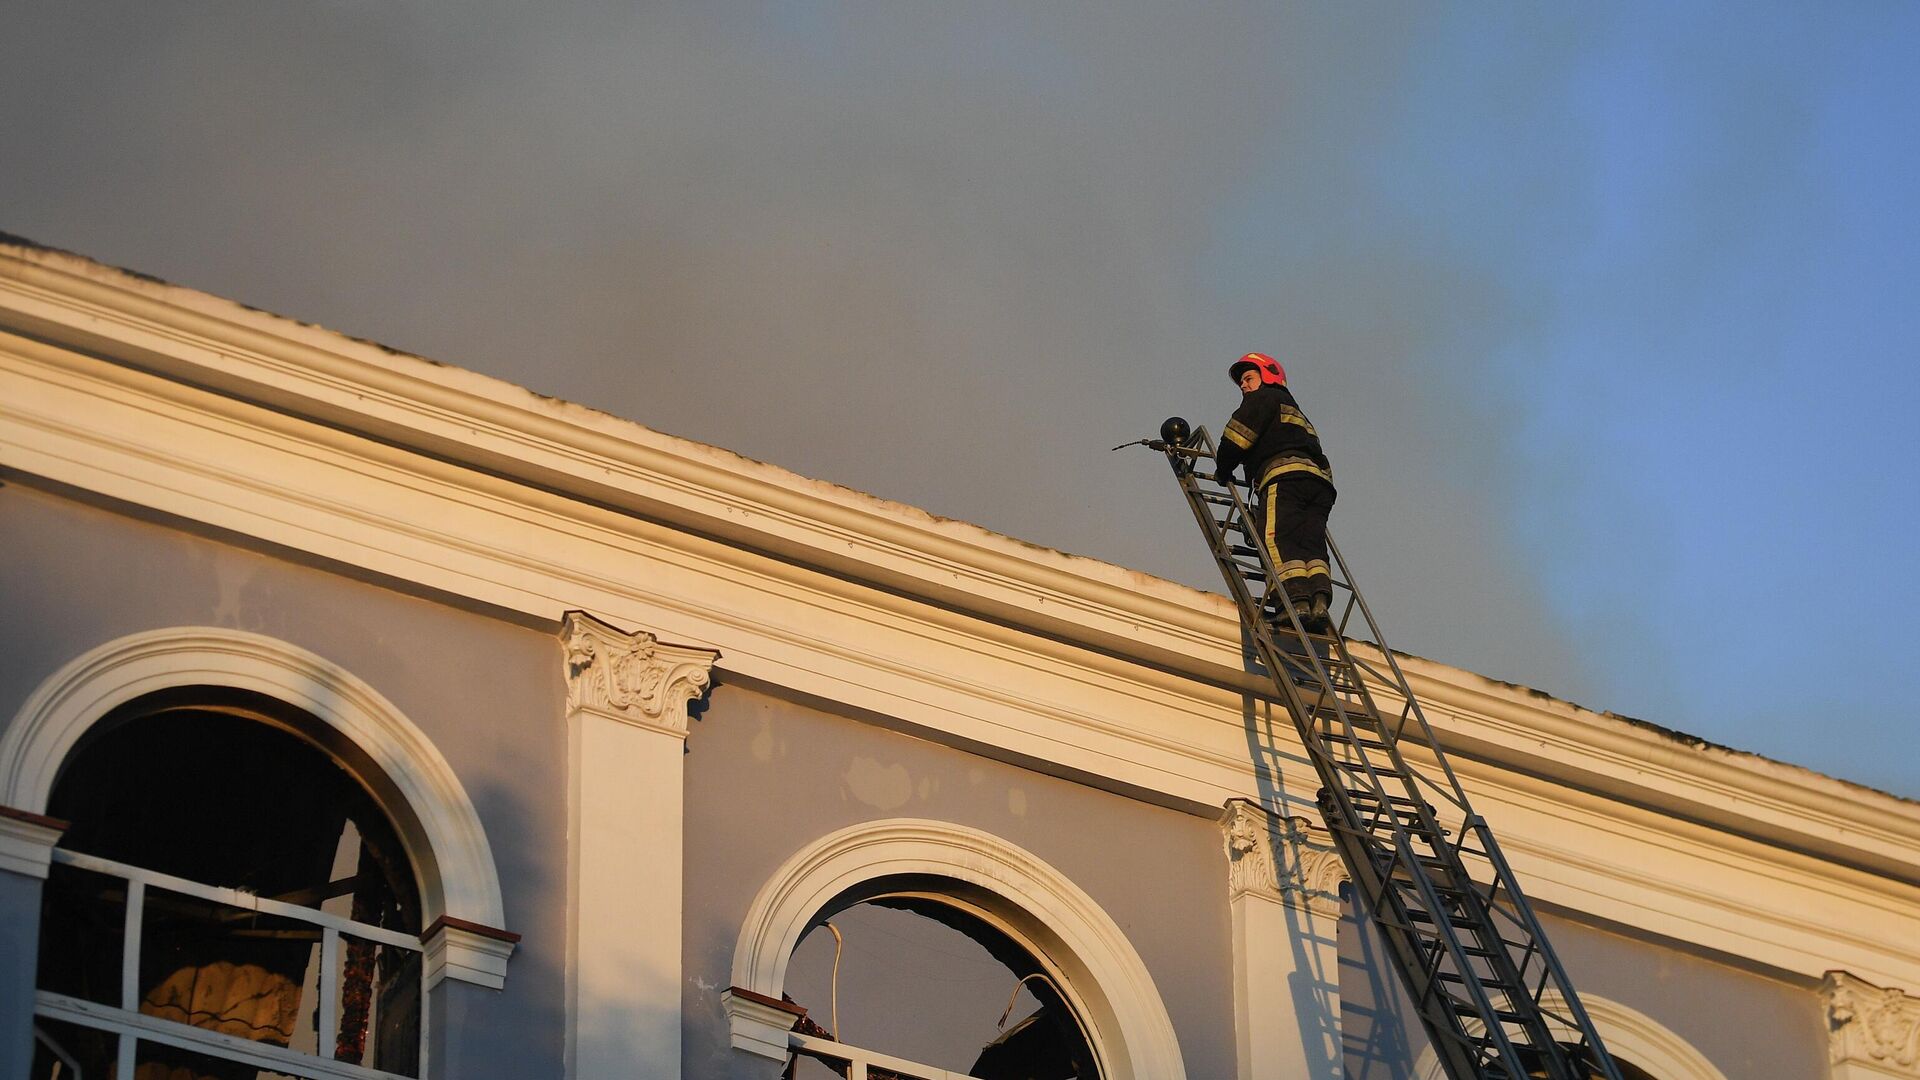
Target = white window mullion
(425,1069)
(236,898)
(130,972)
(130,950)
(261,1055)
(53,1046)
(123,1064)
(860,1059)
(329,1023)
(131,1026)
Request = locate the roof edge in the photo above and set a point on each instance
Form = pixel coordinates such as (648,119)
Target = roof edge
(497,426)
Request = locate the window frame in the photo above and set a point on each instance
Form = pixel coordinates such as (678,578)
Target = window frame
(957,899)
(414,785)
(439,828)
(1096,968)
(131,1027)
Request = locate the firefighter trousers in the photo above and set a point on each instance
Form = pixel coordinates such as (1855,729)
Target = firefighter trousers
(1293,522)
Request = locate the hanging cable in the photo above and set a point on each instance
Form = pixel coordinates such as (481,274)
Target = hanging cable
(1085,1038)
(834,996)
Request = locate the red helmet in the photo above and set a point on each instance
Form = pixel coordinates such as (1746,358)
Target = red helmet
(1271,373)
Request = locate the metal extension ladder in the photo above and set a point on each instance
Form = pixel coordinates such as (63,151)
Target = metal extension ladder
(1494,1000)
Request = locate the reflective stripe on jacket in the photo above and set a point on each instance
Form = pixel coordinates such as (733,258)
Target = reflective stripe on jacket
(1272,438)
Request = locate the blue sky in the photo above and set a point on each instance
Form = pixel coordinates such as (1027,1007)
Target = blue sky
(1607,313)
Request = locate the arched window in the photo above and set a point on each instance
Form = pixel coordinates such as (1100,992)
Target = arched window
(1642,1047)
(1628,1070)
(229,902)
(912,985)
(1019,911)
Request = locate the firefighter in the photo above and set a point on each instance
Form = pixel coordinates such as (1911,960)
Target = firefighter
(1284,464)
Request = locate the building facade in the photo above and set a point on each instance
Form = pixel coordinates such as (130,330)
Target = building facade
(367,717)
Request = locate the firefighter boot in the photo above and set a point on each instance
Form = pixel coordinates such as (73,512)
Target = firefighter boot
(1318,613)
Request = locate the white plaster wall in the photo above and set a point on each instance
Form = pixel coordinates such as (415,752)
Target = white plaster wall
(766,776)
(489,694)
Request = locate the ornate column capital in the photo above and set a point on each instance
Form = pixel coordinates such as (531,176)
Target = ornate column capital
(634,678)
(1280,859)
(1871,1031)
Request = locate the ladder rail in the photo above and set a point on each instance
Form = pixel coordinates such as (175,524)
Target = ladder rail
(1399,677)
(1271,657)
(1200,447)
(1578,1018)
(1489,845)
(1377,806)
(1383,893)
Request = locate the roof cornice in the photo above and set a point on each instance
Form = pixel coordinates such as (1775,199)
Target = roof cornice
(470,420)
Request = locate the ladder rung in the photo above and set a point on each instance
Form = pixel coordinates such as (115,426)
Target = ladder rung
(1292,648)
(1398,804)
(1414,828)
(1326,712)
(1323,637)
(1363,795)
(1338,712)
(1353,740)
(1430,865)
(1452,895)
(1457,922)
(1406,815)
(1451,866)
(1456,918)
(1490,985)
(1397,769)
(1406,819)
(1505,1016)
(1480,952)
(1357,775)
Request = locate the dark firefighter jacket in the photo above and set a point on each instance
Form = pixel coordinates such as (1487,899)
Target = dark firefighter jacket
(1270,435)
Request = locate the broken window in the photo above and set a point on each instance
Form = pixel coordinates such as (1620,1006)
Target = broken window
(228,904)
(913,987)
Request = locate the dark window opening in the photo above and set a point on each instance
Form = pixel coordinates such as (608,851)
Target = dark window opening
(190,805)
(1628,1070)
(930,983)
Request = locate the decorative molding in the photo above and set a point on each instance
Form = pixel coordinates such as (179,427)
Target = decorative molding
(468,953)
(1251,868)
(1319,868)
(204,340)
(632,677)
(1872,1031)
(759,1023)
(414,784)
(1629,1035)
(491,424)
(1086,953)
(626,807)
(146,394)
(1307,870)
(27,841)
(1283,901)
